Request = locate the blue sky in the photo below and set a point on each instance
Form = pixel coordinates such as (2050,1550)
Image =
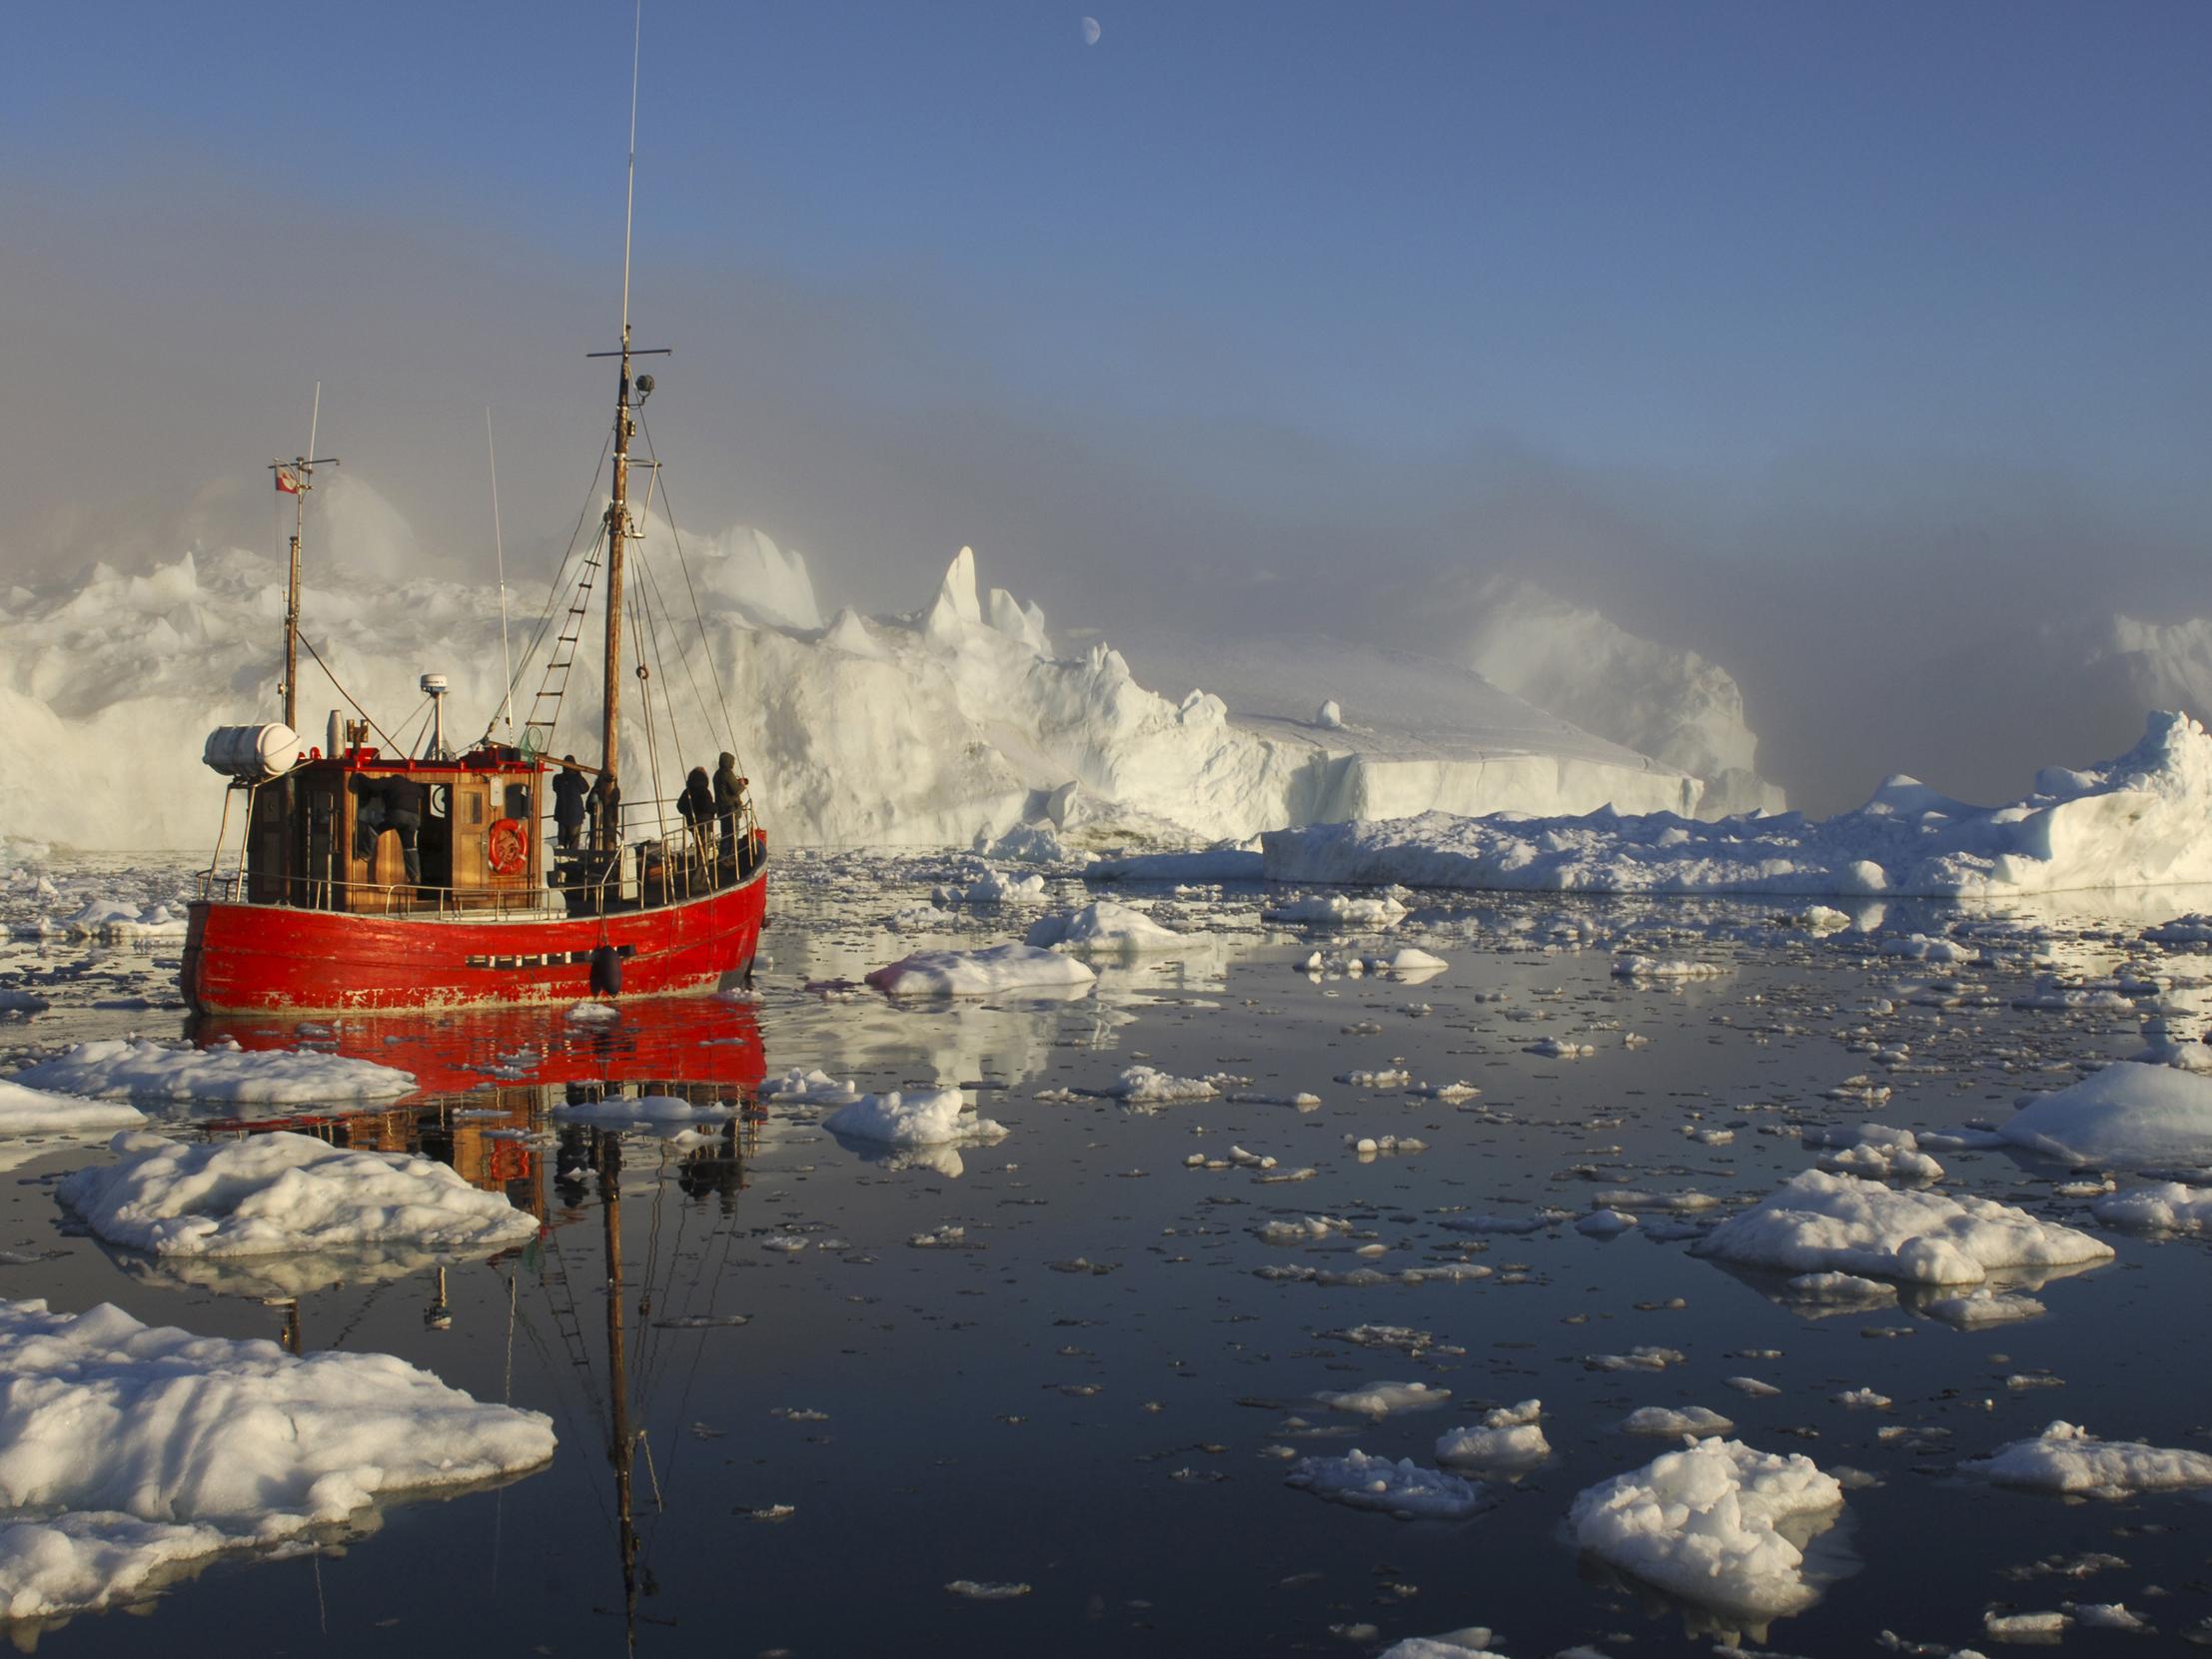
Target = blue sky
(1262,269)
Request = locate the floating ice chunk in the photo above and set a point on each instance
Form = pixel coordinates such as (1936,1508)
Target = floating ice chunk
(999,969)
(1402,1490)
(1372,1145)
(975,1590)
(1026,844)
(1706,1523)
(1820,1223)
(812,1088)
(1149,1086)
(1694,1420)
(1688,1203)
(110,919)
(1875,1151)
(1338,910)
(1302,1231)
(1604,1224)
(1510,1438)
(140,1069)
(926,1117)
(2126,1116)
(1555,1048)
(993,887)
(282,1194)
(1752,1388)
(2166,1207)
(2064,1458)
(1450,1092)
(2025,1627)
(1472,1643)
(1643,1357)
(1386,1400)
(1105,928)
(1388,1078)
(148,1450)
(2110,1615)
(1651,967)
(1411,964)
(35,1112)
(593,1013)
(1865,1399)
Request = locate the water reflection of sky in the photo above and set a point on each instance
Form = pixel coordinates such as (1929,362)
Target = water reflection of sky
(1080,1382)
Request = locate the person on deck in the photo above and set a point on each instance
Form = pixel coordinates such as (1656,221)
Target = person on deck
(606,805)
(404,800)
(729,791)
(697,807)
(569,789)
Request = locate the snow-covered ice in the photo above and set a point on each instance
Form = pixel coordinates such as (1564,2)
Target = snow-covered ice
(1105,928)
(2067,1458)
(2160,1206)
(37,1112)
(1712,1524)
(2126,1116)
(994,971)
(1402,1488)
(282,1194)
(131,1453)
(925,1118)
(1820,1223)
(140,1069)
(1384,1399)
(1507,1439)
(2131,822)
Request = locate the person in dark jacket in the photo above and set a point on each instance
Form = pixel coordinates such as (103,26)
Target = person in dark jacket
(604,803)
(696,803)
(569,790)
(730,790)
(404,800)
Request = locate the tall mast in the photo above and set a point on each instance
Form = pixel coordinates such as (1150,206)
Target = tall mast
(618,512)
(295,478)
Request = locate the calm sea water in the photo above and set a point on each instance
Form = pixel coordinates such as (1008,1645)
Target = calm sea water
(1087,1390)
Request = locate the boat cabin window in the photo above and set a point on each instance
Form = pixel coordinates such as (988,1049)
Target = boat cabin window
(518,802)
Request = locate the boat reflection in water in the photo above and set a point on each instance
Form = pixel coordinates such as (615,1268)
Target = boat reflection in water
(493,1084)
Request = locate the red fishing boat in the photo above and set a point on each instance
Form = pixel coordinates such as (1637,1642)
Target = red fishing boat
(371,877)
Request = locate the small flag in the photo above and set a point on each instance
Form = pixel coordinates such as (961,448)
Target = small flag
(288,481)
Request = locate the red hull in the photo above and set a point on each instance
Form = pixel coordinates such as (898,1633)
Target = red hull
(272,959)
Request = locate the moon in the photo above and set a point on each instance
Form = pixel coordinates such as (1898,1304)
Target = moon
(1090,31)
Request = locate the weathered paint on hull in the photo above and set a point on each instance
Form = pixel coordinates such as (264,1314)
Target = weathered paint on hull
(269,959)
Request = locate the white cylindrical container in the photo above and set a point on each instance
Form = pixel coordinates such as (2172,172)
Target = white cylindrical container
(251,754)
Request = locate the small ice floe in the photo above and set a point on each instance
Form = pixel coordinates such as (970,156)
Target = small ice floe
(1752,1388)
(1861,1091)
(1604,1224)
(2065,1458)
(2110,1615)
(1304,1230)
(1471,1643)
(139,1070)
(1403,1489)
(649,1111)
(977,1591)
(144,1452)
(1658,968)
(941,1239)
(1673,1423)
(1708,1523)
(812,1088)
(1820,1222)
(1149,1086)
(1982,1308)
(1508,1225)
(1104,929)
(1369,1146)
(993,888)
(924,1117)
(1875,1151)
(1555,1047)
(1388,1078)
(1452,1093)
(1000,969)
(282,1194)
(1863,1400)
(2164,1206)
(1338,910)
(1384,1399)
(1414,966)
(2040,1628)
(1037,843)
(1643,1357)
(2124,1117)
(593,1013)
(1508,1438)
(35,1112)
(110,919)
(1688,1203)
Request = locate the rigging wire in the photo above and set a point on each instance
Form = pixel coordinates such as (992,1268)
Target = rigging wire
(351,701)
(730,726)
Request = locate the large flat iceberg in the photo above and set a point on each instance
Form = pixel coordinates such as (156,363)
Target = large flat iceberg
(139,1070)
(131,1453)
(2133,822)
(282,1194)
(2126,1116)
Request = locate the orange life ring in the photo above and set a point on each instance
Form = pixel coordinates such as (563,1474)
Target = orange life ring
(506,846)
